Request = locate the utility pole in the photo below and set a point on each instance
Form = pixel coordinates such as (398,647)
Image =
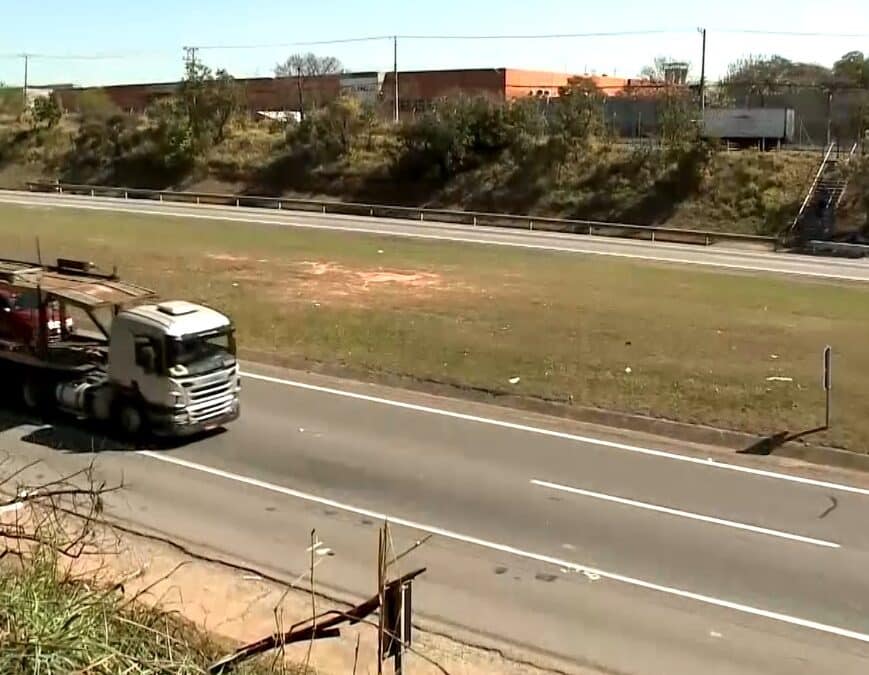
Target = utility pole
(395,77)
(703,70)
(190,57)
(26,58)
(300,87)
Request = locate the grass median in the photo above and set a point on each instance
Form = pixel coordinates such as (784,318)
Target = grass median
(680,342)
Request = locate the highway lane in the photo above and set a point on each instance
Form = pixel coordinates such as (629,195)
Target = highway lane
(696,567)
(512,560)
(718,256)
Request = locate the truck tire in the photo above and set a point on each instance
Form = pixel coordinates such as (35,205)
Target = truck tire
(131,420)
(35,394)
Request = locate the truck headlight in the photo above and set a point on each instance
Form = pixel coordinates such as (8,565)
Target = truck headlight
(177,398)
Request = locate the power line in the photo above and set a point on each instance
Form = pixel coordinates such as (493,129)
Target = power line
(789,33)
(545,36)
(352,40)
(98,56)
(443,37)
(310,43)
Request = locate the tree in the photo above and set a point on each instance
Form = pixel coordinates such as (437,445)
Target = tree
(577,118)
(170,133)
(208,102)
(303,66)
(226,102)
(308,65)
(100,144)
(852,70)
(526,124)
(677,119)
(45,112)
(332,131)
(764,76)
(453,136)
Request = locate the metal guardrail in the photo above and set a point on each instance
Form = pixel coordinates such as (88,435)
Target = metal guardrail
(587,227)
(854,250)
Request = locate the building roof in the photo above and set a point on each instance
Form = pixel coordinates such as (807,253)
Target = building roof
(74,286)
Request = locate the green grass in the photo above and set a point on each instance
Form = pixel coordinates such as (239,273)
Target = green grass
(700,344)
(54,625)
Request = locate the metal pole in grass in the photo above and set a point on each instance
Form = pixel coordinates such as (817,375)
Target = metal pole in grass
(828,382)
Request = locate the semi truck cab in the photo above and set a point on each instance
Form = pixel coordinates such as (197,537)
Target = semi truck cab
(167,368)
(178,360)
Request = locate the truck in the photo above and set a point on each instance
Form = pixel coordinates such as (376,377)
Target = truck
(166,368)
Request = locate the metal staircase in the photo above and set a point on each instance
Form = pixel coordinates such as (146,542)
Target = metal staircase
(816,219)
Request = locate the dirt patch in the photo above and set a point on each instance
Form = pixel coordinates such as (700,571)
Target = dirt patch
(348,281)
(242,606)
(321,282)
(227,257)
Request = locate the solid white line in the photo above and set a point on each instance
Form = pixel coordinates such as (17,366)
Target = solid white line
(709,462)
(686,514)
(436,237)
(510,550)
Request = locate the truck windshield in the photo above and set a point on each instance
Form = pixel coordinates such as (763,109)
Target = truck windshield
(201,353)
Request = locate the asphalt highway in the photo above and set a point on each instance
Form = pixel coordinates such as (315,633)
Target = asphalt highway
(727,257)
(563,544)
(559,543)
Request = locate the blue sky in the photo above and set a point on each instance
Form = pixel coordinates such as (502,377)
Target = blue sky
(149,35)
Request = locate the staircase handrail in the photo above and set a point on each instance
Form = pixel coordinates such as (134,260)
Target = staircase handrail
(845,185)
(812,187)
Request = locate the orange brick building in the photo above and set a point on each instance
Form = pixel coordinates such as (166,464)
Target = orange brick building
(417,89)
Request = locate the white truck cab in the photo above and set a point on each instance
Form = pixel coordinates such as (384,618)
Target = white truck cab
(177,360)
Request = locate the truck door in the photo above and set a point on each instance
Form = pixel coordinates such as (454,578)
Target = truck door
(149,369)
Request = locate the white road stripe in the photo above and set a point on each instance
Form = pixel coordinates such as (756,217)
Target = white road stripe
(280,222)
(686,514)
(510,550)
(709,462)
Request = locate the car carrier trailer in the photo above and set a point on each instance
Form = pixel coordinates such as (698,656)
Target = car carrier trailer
(167,368)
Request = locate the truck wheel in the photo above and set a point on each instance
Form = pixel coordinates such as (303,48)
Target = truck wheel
(33,394)
(131,420)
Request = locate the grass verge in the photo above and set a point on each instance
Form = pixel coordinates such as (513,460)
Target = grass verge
(695,345)
(51,624)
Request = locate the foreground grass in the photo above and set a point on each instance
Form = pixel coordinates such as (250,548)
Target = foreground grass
(677,342)
(53,625)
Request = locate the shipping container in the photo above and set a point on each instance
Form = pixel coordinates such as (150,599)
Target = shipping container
(749,124)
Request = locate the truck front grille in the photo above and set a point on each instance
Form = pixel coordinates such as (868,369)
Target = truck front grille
(211,395)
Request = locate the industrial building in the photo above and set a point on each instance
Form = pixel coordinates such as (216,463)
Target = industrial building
(417,89)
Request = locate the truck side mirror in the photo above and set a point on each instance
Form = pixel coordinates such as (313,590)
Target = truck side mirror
(146,357)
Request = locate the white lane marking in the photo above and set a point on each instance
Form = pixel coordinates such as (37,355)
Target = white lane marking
(577,249)
(685,514)
(591,572)
(708,462)
(276,217)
